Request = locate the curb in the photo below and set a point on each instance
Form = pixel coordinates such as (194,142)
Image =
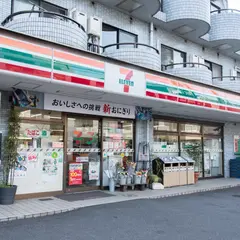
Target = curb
(55,212)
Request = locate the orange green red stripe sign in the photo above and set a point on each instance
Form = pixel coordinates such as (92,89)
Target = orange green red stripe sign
(35,60)
(190,94)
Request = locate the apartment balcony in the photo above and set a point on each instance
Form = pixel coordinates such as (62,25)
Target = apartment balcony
(225,32)
(227,82)
(194,71)
(136,53)
(49,26)
(187,18)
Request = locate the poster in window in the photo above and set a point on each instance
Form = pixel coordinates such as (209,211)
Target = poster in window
(94,169)
(21,166)
(143,113)
(50,163)
(75,174)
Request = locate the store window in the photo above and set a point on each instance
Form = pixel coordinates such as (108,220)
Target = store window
(171,56)
(190,128)
(202,143)
(117,134)
(215,68)
(191,146)
(113,35)
(40,114)
(83,145)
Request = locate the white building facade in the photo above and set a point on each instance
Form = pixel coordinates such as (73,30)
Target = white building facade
(90,64)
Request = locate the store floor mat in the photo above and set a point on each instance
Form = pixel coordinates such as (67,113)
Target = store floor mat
(72,197)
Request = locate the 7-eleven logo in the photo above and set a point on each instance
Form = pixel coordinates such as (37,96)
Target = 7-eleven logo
(125,79)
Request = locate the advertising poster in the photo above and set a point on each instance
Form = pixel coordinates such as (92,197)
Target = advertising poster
(50,163)
(236,144)
(21,166)
(94,169)
(75,174)
(32,157)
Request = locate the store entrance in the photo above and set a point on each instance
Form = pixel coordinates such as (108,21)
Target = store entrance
(82,167)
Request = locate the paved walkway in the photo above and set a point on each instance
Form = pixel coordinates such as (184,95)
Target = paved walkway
(35,208)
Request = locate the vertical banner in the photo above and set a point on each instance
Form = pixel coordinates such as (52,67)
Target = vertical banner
(236,144)
(75,174)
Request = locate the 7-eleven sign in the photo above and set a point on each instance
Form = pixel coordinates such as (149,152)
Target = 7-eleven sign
(126,79)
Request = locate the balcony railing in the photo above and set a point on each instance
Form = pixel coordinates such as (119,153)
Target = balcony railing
(227,78)
(43,14)
(226,11)
(100,49)
(184,65)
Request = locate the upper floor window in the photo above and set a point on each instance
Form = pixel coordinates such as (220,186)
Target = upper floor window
(113,35)
(215,68)
(24,5)
(170,56)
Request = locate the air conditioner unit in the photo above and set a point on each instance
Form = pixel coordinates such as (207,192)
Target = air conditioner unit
(233,73)
(79,17)
(95,26)
(193,58)
(201,60)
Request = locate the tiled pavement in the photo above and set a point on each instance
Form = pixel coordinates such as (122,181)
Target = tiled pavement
(35,208)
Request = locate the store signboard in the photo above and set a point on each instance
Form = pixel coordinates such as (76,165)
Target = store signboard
(36,133)
(84,106)
(237,144)
(124,80)
(75,174)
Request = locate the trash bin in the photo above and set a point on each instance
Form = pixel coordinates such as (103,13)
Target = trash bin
(190,171)
(182,170)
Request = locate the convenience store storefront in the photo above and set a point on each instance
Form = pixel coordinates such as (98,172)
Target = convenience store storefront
(88,107)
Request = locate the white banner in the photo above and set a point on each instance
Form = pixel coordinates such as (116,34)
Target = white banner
(84,106)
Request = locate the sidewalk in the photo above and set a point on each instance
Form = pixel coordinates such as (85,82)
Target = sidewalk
(35,208)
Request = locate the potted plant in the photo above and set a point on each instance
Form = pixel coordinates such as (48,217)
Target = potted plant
(155,182)
(137,177)
(194,151)
(123,178)
(11,143)
(144,177)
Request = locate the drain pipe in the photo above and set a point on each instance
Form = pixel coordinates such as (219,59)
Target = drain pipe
(151,34)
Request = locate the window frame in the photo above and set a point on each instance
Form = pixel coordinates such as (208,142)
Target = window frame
(119,30)
(176,50)
(211,67)
(40,5)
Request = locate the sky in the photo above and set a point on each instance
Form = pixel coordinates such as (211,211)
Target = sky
(234,4)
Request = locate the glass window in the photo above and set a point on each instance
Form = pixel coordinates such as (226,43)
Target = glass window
(171,56)
(40,114)
(117,134)
(23,5)
(83,143)
(190,128)
(191,146)
(215,68)
(213,157)
(216,130)
(167,145)
(113,35)
(39,135)
(160,125)
(126,37)
(109,35)
(53,8)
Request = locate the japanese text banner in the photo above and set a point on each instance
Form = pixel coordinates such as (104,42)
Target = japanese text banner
(84,106)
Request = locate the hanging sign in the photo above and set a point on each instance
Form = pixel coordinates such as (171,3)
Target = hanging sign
(75,174)
(84,106)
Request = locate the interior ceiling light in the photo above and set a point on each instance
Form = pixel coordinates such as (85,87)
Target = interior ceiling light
(238,52)
(183,30)
(129,5)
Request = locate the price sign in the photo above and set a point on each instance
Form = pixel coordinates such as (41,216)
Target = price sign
(75,174)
